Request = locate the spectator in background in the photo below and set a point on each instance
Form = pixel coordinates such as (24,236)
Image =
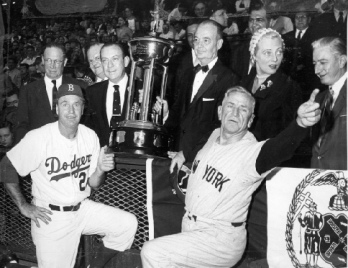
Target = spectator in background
(25,76)
(30,58)
(40,68)
(91,29)
(199,9)
(124,34)
(242,5)
(166,34)
(180,31)
(133,22)
(177,13)
(6,138)
(93,56)
(38,48)
(13,72)
(279,23)
(80,72)
(9,112)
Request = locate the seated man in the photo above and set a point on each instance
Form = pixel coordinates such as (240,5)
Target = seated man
(224,175)
(6,138)
(65,162)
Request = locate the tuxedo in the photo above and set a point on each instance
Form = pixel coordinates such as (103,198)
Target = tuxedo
(240,59)
(332,151)
(96,117)
(327,25)
(34,109)
(197,119)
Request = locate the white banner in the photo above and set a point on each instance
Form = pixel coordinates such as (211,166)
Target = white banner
(52,7)
(307,218)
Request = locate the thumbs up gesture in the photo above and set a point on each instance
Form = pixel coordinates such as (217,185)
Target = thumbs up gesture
(308,114)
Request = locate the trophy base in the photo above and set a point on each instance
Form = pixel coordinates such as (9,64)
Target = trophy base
(140,138)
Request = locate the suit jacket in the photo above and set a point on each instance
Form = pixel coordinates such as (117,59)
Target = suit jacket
(332,152)
(276,104)
(96,117)
(197,119)
(327,25)
(241,59)
(34,109)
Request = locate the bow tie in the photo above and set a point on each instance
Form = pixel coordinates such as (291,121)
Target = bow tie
(204,68)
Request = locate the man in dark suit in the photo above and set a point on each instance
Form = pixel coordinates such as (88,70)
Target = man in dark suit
(240,61)
(36,100)
(106,96)
(194,112)
(331,23)
(298,56)
(330,136)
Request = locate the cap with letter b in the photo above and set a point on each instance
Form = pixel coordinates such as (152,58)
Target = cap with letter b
(69,89)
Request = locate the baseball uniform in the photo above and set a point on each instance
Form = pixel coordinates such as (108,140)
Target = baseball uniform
(60,169)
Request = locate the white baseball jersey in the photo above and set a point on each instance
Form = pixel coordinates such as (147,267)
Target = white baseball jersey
(223,179)
(59,167)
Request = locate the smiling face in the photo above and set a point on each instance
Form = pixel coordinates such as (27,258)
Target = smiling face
(329,67)
(257,20)
(114,63)
(236,114)
(69,110)
(206,43)
(93,55)
(268,55)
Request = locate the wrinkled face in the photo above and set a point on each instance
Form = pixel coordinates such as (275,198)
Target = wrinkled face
(257,20)
(69,110)
(54,62)
(206,43)
(301,21)
(114,63)
(200,10)
(269,55)
(12,101)
(6,137)
(329,67)
(190,33)
(236,113)
(220,17)
(93,56)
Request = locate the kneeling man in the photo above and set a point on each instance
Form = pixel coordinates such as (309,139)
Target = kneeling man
(65,161)
(224,175)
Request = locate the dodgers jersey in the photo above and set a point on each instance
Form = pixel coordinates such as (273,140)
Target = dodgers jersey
(59,167)
(223,179)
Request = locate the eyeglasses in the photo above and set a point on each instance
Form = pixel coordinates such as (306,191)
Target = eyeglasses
(55,62)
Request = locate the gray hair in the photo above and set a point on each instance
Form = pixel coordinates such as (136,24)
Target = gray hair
(242,90)
(337,46)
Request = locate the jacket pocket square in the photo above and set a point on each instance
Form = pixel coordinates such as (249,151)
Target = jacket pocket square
(208,99)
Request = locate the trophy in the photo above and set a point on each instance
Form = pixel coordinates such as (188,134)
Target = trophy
(142,131)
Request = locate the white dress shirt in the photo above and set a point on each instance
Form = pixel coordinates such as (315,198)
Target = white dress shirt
(302,32)
(337,14)
(199,78)
(49,86)
(336,87)
(110,95)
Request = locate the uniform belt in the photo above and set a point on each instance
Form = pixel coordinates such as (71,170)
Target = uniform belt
(195,218)
(66,208)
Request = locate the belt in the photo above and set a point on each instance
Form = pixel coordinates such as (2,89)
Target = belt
(195,218)
(66,208)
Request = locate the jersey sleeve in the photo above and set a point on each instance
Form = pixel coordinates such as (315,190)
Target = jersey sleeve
(27,155)
(95,154)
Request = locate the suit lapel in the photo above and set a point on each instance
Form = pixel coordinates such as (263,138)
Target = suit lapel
(104,93)
(43,99)
(341,101)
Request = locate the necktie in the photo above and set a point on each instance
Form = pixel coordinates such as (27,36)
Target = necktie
(340,18)
(299,35)
(54,98)
(116,109)
(326,115)
(203,68)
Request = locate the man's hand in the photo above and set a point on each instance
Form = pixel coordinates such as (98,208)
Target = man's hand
(35,213)
(308,114)
(177,160)
(158,106)
(105,160)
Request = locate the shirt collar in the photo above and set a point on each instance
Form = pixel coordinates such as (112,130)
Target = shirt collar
(122,83)
(336,87)
(303,31)
(337,13)
(49,80)
(212,63)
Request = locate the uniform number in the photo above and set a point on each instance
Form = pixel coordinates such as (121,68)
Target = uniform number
(83,181)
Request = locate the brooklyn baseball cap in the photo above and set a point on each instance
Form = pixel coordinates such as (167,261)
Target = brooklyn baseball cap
(69,89)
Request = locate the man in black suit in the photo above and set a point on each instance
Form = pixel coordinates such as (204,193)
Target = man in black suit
(194,112)
(331,23)
(240,61)
(106,96)
(36,105)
